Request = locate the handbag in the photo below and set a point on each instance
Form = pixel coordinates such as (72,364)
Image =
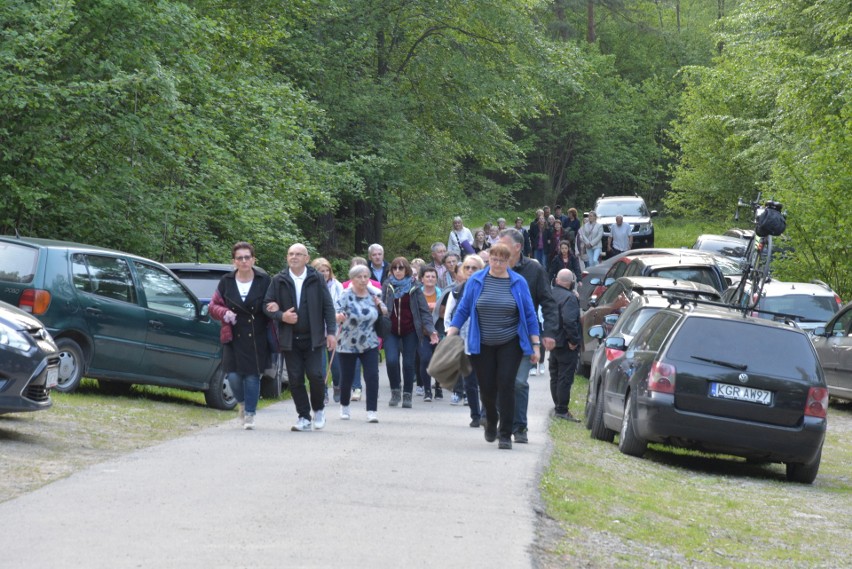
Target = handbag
(382,326)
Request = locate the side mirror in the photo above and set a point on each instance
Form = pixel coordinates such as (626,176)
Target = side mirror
(595,281)
(597,331)
(204,309)
(819,331)
(593,301)
(654,213)
(611,319)
(616,343)
(608,282)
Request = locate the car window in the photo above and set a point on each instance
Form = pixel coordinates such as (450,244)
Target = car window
(164,293)
(636,320)
(202,284)
(761,349)
(17,263)
(108,277)
(843,325)
(611,293)
(805,307)
(619,269)
(703,275)
(651,336)
(611,208)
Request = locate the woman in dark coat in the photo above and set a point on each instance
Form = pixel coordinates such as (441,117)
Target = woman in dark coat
(238,304)
(564,259)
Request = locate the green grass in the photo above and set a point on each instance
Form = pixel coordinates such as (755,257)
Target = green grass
(702,509)
(671,232)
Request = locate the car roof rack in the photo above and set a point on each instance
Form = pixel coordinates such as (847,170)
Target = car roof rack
(792,319)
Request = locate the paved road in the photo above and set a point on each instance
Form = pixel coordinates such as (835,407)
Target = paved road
(419,489)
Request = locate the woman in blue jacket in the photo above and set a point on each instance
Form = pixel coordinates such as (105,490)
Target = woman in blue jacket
(503,329)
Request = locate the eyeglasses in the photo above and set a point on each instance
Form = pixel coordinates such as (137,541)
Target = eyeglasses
(243,258)
(469,267)
(398,268)
(496,261)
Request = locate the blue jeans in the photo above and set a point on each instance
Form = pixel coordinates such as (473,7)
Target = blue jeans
(370,362)
(594,256)
(246,389)
(541,257)
(471,389)
(522,395)
(425,351)
(393,346)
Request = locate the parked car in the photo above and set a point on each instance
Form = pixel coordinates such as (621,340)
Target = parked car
(29,362)
(685,267)
(636,214)
(594,276)
(618,296)
(810,305)
(731,247)
(202,279)
(707,378)
(739,233)
(833,344)
(116,317)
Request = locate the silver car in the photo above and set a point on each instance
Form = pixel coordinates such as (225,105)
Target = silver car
(833,345)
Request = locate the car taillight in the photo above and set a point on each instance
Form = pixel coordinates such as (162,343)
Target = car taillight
(817,402)
(838,301)
(612,354)
(35,301)
(661,378)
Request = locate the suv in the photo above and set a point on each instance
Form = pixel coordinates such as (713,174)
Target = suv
(710,379)
(635,214)
(833,343)
(29,362)
(116,317)
(695,268)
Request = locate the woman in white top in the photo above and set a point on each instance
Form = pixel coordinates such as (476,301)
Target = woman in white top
(458,236)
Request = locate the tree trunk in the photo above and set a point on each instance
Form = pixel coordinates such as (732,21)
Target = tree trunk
(590,21)
(369,221)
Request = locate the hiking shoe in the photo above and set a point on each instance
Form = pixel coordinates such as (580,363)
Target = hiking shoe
(248,421)
(427,397)
(319,419)
(372,417)
(439,393)
(395,399)
(419,391)
(455,399)
(356,395)
(521,437)
(302,425)
(337,395)
(406,401)
(474,423)
(344,412)
(505,443)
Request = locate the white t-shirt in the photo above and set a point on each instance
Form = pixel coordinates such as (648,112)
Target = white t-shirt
(298,281)
(620,236)
(243,288)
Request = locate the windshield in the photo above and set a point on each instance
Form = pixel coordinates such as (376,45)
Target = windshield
(701,275)
(805,307)
(628,208)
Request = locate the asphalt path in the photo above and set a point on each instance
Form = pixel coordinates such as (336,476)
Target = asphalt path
(421,488)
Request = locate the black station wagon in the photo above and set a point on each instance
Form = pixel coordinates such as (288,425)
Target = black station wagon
(712,379)
(116,317)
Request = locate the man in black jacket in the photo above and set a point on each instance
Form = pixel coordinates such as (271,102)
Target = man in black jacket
(563,358)
(379,268)
(537,280)
(299,301)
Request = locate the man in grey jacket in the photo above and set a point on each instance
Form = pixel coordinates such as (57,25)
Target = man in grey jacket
(537,280)
(563,359)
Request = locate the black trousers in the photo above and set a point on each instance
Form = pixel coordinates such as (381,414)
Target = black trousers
(563,363)
(303,360)
(496,368)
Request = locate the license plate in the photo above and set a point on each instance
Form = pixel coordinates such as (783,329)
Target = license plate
(740,393)
(52,377)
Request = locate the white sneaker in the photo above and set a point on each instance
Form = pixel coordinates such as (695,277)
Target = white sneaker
(356,395)
(372,417)
(319,419)
(344,412)
(541,369)
(534,370)
(456,399)
(419,391)
(301,425)
(248,421)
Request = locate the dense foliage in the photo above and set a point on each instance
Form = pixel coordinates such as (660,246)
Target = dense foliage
(173,128)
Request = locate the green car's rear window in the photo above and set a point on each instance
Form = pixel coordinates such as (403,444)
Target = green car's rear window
(17,263)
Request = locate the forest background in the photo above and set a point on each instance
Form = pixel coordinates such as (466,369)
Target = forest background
(172,129)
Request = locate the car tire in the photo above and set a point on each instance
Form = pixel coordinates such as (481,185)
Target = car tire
(115,387)
(588,410)
(628,441)
(804,473)
(599,430)
(219,395)
(72,364)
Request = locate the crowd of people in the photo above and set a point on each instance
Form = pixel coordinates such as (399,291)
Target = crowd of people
(507,292)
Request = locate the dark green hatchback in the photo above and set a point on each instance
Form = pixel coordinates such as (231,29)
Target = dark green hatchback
(116,317)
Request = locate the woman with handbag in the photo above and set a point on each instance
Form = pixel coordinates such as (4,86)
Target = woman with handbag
(358,313)
(238,305)
(411,322)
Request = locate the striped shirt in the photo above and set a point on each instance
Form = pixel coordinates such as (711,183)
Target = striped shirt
(497,312)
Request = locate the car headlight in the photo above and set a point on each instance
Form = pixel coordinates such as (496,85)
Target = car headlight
(9,337)
(645,227)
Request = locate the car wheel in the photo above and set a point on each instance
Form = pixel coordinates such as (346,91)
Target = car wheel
(219,394)
(804,473)
(599,430)
(115,387)
(589,411)
(628,441)
(72,363)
